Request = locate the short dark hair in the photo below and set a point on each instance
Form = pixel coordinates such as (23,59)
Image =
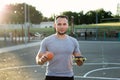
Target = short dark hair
(61,16)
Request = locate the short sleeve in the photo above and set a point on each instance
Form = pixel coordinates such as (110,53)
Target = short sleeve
(43,47)
(77,47)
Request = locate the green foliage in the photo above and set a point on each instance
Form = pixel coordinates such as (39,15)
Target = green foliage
(89,17)
(15,13)
(46,31)
(101,25)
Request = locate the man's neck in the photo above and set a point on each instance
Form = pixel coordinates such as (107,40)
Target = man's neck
(60,36)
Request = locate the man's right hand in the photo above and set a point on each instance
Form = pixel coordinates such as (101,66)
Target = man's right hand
(42,60)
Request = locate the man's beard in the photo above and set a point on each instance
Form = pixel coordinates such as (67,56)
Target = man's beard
(61,33)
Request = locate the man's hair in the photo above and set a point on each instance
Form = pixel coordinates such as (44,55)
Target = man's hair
(61,16)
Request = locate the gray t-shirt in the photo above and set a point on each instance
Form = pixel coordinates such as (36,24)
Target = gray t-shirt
(61,64)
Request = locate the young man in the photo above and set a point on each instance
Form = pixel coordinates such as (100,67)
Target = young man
(64,48)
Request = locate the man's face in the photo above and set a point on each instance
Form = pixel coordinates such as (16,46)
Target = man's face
(61,26)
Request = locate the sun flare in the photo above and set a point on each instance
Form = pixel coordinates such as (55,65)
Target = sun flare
(2,7)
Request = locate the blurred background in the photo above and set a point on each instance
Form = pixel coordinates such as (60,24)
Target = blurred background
(95,24)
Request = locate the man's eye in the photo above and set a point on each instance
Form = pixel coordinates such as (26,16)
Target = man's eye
(64,24)
(59,24)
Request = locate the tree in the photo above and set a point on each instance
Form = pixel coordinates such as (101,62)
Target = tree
(14,13)
(90,17)
(81,17)
(70,14)
(102,14)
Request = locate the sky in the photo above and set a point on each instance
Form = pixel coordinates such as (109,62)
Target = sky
(55,7)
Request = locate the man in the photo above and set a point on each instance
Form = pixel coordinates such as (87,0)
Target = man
(64,48)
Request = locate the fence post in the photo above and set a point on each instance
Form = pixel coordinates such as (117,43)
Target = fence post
(119,36)
(104,35)
(5,35)
(96,35)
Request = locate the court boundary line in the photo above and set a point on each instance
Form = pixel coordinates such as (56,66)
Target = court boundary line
(84,76)
(99,69)
(99,41)
(99,63)
(18,47)
(101,78)
(27,66)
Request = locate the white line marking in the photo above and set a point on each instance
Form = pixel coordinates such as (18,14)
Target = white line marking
(100,78)
(27,66)
(99,42)
(17,47)
(99,63)
(85,76)
(99,70)
(16,67)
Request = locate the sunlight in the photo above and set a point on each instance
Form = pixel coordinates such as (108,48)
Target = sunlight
(2,7)
(1,12)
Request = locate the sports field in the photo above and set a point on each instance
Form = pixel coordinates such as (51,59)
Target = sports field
(103,62)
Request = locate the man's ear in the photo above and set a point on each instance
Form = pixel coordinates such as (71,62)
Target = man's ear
(54,26)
